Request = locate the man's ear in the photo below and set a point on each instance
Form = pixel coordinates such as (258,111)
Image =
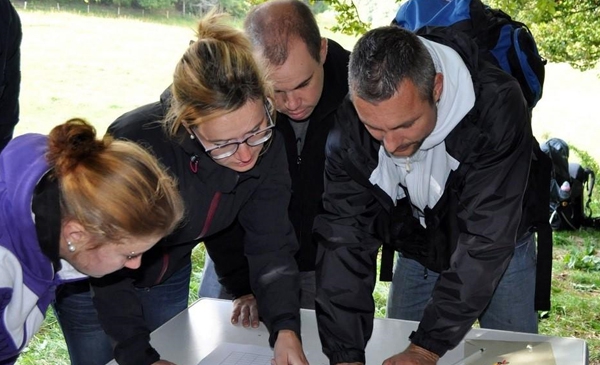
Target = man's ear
(438,87)
(323,51)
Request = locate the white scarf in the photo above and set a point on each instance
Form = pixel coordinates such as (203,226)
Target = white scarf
(425,173)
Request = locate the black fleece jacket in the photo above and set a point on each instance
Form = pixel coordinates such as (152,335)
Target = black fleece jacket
(306,172)
(215,196)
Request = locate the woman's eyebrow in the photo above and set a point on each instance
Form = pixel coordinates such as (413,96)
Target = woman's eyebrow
(225,141)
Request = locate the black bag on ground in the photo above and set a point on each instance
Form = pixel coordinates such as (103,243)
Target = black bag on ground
(567,185)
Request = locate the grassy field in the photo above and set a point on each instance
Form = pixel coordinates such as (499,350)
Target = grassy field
(100,67)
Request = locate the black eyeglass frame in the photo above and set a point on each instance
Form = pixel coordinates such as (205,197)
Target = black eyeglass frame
(266,138)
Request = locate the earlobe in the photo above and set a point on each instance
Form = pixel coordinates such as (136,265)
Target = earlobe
(189,130)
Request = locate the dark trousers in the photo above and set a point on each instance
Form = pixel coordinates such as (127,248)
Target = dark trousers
(86,341)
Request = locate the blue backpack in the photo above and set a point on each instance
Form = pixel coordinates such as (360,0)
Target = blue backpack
(501,40)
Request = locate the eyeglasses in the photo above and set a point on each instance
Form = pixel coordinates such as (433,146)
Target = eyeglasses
(253,140)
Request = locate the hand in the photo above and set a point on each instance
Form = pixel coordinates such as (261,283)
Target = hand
(413,355)
(246,310)
(163,362)
(288,349)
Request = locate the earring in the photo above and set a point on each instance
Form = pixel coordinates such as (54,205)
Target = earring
(70,246)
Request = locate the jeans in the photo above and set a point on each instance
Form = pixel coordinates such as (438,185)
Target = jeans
(511,307)
(210,287)
(86,341)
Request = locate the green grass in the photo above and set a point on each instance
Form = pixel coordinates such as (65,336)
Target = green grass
(98,66)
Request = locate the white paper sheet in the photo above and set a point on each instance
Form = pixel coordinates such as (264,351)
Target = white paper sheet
(237,354)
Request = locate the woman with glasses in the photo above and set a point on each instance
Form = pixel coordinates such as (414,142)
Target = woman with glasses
(213,129)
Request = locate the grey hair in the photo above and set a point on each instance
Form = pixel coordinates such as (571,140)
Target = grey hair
(271,25)
(383,58)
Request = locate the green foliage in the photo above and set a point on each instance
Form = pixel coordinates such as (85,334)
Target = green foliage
(319,6)
(124,3)
(198,256)
(565,30)
(583,259)
(587,161)
(47,347)
(585,158)
(155,4)
(235,8)
(561,239)
(348,18)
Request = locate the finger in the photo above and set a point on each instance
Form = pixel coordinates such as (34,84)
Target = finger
(235,314)
(254,316)
(246,316)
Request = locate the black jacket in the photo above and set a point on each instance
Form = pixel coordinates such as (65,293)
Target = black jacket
(215,196)
(471,231)
(306,172)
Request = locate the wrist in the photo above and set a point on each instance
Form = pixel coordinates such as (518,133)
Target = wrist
(286,334)
(423,340)
(422,353)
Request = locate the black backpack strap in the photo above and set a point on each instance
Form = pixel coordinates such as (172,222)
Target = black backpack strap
(590,180)
(542,167)
(387,263)
(543,279)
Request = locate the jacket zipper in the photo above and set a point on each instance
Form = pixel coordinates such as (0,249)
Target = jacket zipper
(163,270)
(214,203)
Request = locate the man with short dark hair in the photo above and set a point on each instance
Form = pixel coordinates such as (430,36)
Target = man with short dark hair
(431,154)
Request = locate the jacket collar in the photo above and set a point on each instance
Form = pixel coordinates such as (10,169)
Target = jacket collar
(46,209)
(335,83)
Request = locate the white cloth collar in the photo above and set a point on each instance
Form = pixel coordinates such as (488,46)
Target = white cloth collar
(425,173)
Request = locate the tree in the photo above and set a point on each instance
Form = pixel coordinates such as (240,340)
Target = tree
(155,4)
(565,30)
(235,8)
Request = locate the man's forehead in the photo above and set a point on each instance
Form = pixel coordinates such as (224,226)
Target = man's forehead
(291,75)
